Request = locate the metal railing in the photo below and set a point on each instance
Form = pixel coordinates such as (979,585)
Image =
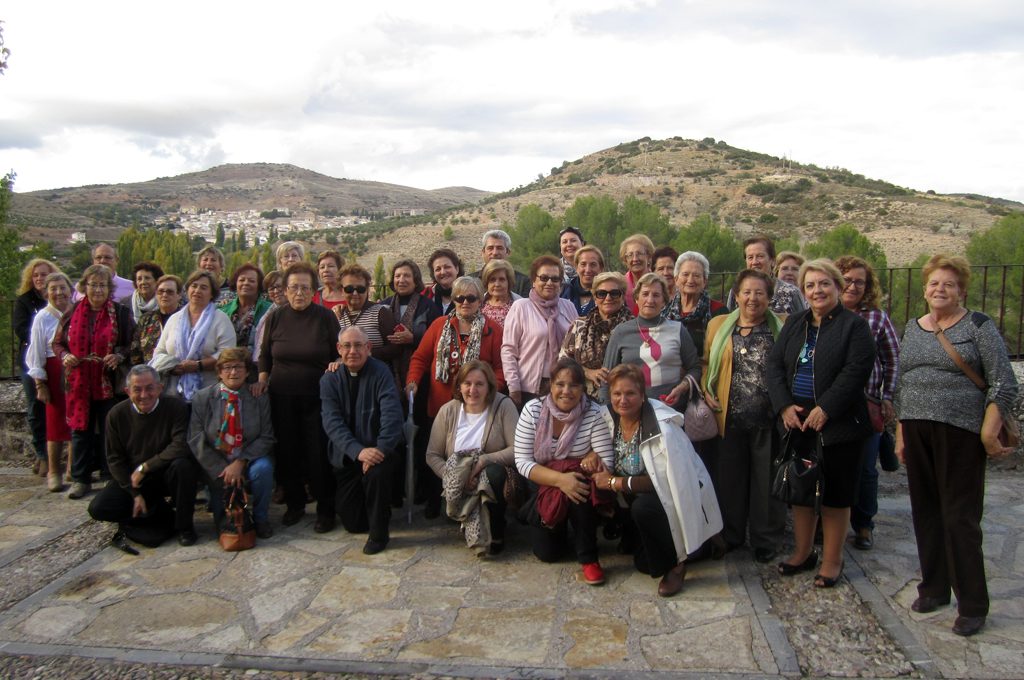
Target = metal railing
(995,290)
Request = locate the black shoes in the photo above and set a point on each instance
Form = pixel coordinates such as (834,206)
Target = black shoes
(292,516)
(926,605)
(120,541)
(864,540)
(187,537)
(822,581)
(264,530)
(373,547)
(324,523)
(967,626)
(764,555)
(787,569)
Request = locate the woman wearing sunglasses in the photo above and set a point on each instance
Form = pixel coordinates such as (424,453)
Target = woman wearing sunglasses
(588,336)
(376,320)
(534,330)
(460,336)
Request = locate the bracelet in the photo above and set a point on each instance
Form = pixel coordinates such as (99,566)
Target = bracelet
(629,483)
(611,483)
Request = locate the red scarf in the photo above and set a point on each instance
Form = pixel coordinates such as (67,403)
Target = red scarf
(91,335)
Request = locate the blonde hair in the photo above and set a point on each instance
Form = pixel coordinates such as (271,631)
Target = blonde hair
(26,273)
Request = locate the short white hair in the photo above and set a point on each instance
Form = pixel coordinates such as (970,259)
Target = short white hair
(693,256)
(498,234)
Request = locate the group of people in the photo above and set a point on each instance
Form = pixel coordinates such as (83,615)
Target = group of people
(558,395)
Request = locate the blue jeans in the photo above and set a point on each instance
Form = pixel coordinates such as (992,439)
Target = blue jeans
(863,512)
(260,475)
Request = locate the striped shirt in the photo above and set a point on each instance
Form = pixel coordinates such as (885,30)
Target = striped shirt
(882,383)
(592,435)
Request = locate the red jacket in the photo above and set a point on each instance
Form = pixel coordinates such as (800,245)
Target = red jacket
(422,362)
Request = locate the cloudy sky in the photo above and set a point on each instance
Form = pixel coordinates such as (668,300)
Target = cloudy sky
(928,95)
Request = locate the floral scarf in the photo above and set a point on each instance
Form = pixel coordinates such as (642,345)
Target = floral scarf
(448,357)
(229,437)
(592,339)
(91,335)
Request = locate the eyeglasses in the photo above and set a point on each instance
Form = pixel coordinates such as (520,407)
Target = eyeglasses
(166,291)
(97,286)
(642,254)
(856,283)
(460,299)
(299,289)
(602,293)
(231,368)
(549,279)
(355,289)
(349,346)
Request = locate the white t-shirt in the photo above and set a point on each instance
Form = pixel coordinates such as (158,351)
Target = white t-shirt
(470,432)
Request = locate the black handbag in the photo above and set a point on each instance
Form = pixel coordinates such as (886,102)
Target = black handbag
(796,472)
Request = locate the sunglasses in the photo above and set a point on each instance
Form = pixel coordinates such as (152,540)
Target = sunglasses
(354,289)
(602,294)
(460,299)
(549,279)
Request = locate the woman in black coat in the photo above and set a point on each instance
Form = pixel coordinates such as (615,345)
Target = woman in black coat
(822,394)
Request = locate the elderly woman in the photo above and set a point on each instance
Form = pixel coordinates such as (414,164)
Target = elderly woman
(662,348)
(671,500)
(561,439)
(288,253)
(299,342)
(413,314)
(330,295)
(691,304)
(31,298)
(211,259)
(463,335)
(248,306)
(534,331)
(375,319)
(91,343)
(45,369)
(821,395)
(787,266)
(232,437)
(151,324)
(588,336)
(948,426)
(589,263)
(471,451)
(635,253)
(192,339)
(570,240)
(736,350)
(497,277)
(273,283)
(862,294)
(144,276)
(444,266)
(664,260)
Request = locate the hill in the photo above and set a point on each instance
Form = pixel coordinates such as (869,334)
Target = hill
(745,190)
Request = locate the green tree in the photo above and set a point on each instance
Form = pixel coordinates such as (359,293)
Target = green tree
(243,241)
(448,234)
(1003,243)
(713,241)
(379,279)
(846,240)
(534,233)
(11,262)
(219,239)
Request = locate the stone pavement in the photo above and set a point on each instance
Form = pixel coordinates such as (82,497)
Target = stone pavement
(308,602)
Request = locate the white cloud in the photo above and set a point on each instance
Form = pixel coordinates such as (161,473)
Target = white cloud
(487,95)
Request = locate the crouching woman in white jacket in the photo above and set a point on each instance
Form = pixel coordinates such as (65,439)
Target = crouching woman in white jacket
(659,475)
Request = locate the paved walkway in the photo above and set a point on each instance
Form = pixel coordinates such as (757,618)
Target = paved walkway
(305,601)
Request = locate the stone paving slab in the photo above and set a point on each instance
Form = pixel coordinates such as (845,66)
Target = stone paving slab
(301,599)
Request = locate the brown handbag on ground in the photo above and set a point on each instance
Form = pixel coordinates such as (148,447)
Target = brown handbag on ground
(239,530)
(1009,433)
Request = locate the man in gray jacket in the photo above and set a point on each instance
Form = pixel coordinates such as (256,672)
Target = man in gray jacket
(362,417)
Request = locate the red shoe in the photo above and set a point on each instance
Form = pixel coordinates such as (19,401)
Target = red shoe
(593,574)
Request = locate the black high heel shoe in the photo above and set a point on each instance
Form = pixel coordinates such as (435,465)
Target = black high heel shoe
(822,581)
(787,569)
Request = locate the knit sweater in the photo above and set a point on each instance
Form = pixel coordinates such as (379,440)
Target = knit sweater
(498,436)
(155,438)
(297,346)
(593,435)
(665,360)
(524,355)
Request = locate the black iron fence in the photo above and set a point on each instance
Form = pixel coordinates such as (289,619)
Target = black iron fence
(995,290)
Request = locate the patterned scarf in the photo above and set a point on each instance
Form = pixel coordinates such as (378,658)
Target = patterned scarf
(189,346)
(701,312)
(448,358)
(468,507)
(139,307)
(593,338)
(572,420)
(91,335)
(410,309)
(549,310)
(229,437)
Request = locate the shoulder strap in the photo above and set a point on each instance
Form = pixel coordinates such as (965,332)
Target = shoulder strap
(959,360)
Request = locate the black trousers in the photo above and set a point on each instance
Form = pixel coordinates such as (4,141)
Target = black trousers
(550,544)
(302,452)
(88,446)
(744,488)
(496,476)
(655,551)
(946,478)
(35,415)
(364,500)
(178,481)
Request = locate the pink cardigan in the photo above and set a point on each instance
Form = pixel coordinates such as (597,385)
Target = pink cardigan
(525,341)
